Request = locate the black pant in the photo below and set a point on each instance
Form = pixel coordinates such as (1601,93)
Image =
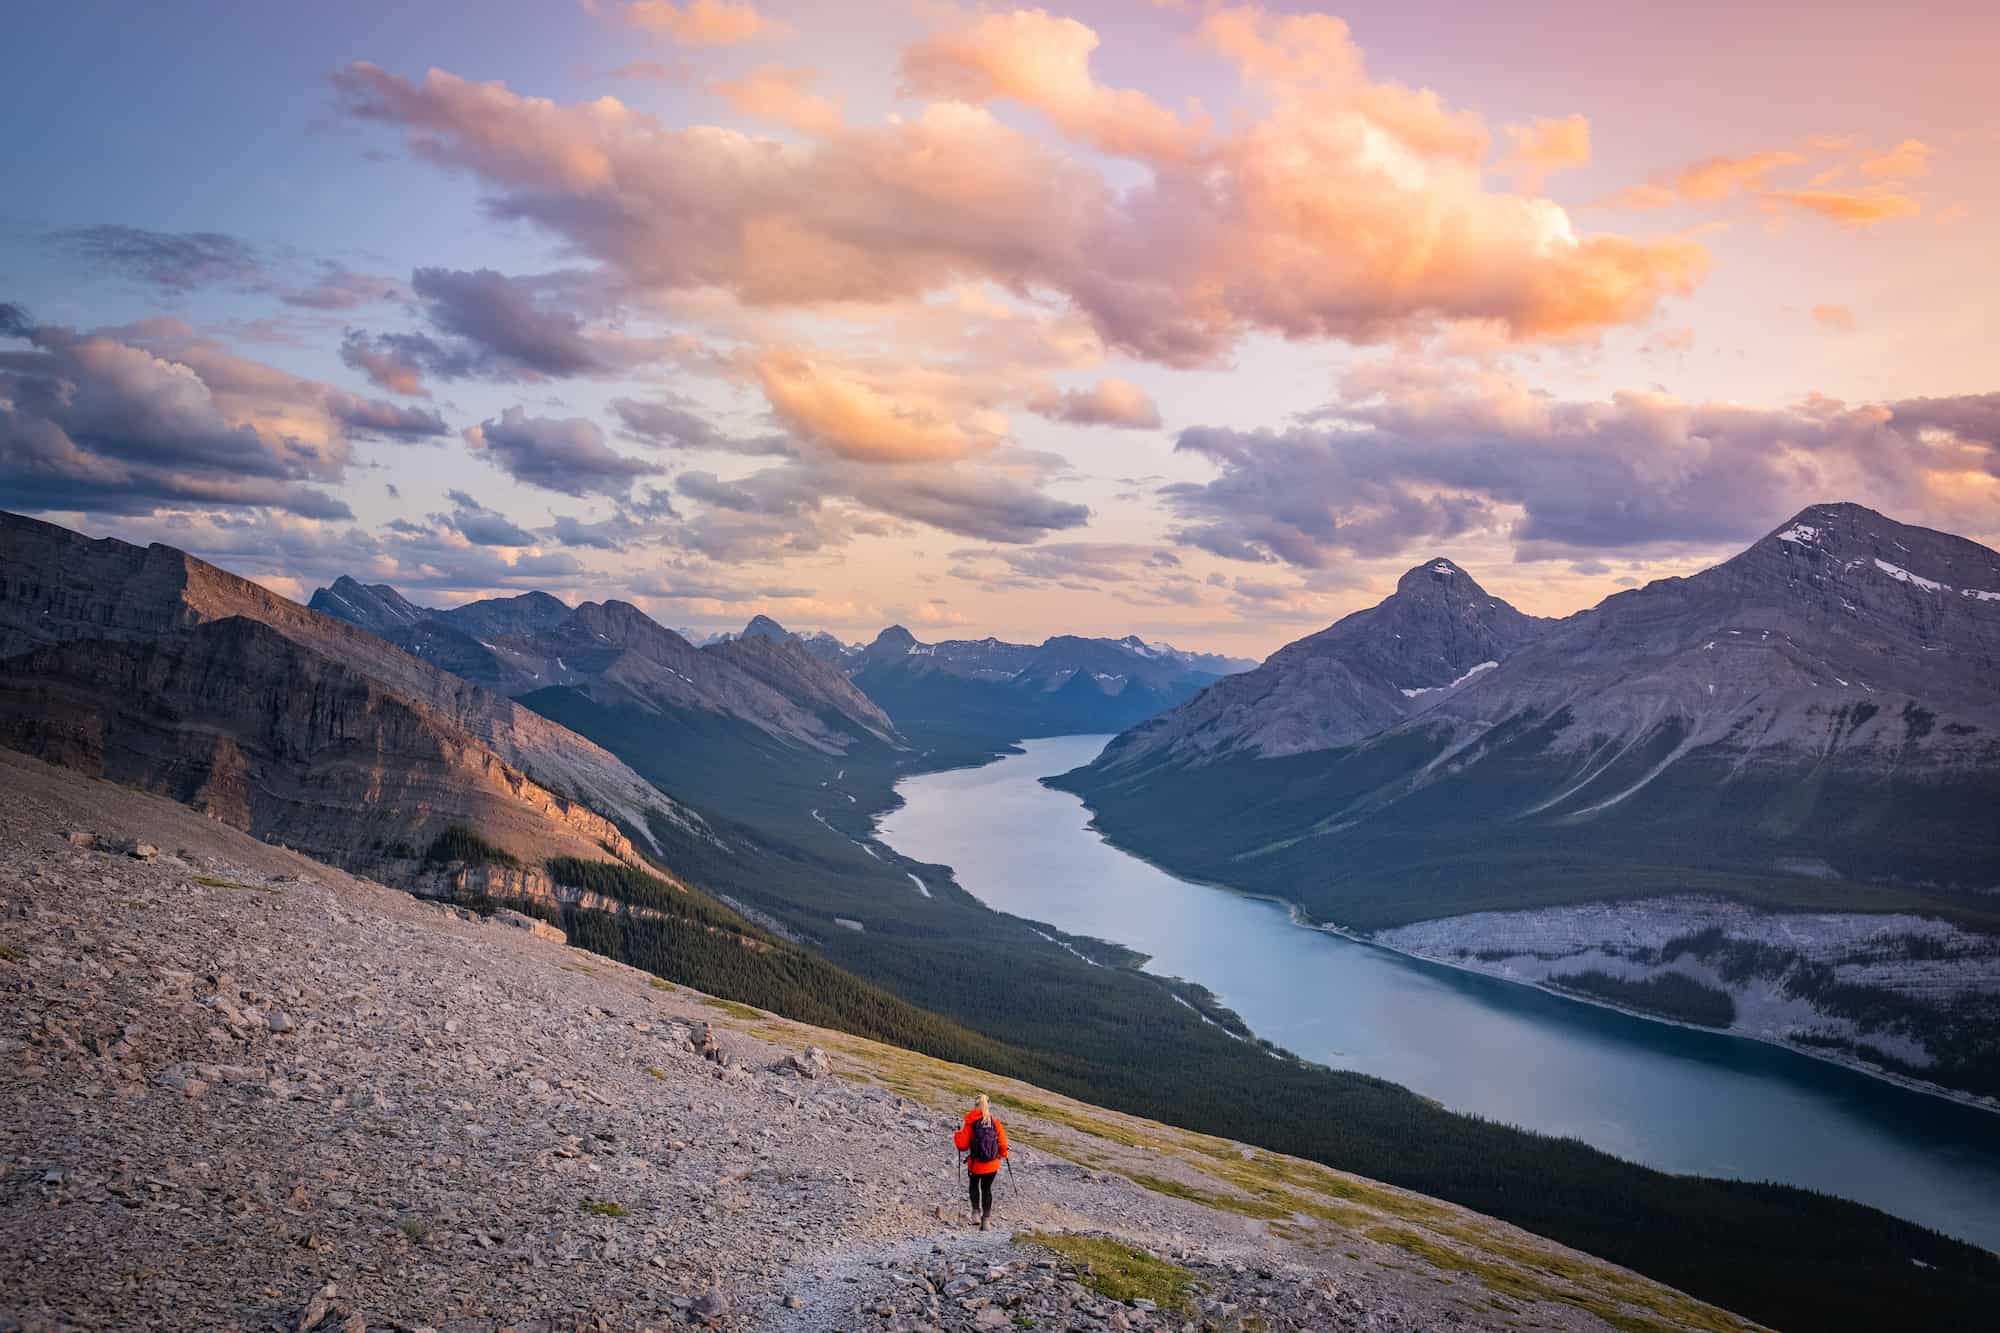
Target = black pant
(982,1192)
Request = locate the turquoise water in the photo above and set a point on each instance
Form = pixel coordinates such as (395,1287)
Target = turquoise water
(1671,1097)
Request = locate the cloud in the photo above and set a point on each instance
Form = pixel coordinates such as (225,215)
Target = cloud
(672,424)
(493,327)
(702,22)
(874,413)
(337,288)
(1348,209)
(1836,317)
(1546,145)
(1849,208)
(174,261)
(182,262)
(133,421)
(1042,61)
(1912,157)
(1109,402)
(391,361)
(480,525)
(1716,179)
(565,455)
(1708,181)
(1416,456)
(782,97)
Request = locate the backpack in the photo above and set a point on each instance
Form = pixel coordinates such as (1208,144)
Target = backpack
(985,1141)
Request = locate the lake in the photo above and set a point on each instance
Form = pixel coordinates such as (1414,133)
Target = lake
(1671,1097)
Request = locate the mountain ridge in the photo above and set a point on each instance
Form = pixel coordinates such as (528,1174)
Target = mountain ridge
(180,676)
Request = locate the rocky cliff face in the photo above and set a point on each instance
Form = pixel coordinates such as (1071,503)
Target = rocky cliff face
(177,676)
(1436,633)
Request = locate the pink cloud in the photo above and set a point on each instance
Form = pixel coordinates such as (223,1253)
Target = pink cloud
(1109,402)
(702,22)
(1351,209)
(782,97)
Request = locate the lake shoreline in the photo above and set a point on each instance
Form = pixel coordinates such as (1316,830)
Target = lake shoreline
(1300,918)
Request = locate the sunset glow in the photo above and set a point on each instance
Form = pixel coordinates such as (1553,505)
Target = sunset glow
(1196,321)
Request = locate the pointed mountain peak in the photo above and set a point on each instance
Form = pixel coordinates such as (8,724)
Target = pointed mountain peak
(763,627)
(1437,574)
(895,637)
(377,607)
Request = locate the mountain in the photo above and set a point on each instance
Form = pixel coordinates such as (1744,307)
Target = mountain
(377,607)
(1818,716)
(615,656)
(1436,632)
(156,669)
(1002,691)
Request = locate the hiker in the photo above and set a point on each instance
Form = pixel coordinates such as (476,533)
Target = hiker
(983,1140)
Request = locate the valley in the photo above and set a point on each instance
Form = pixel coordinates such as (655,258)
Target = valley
(1674,1098)
(754,870)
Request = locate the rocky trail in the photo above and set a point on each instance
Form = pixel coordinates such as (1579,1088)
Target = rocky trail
(242,1090)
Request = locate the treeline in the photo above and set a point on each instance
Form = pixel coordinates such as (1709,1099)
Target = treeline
(459,843)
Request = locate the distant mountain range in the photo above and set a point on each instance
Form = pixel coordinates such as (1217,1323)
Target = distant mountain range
(1824,707)
(614,654)
(984,688)
(999,690)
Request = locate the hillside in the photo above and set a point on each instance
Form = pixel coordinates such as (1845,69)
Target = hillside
(311,1086)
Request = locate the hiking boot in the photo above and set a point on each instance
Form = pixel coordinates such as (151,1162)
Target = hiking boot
(983,1222)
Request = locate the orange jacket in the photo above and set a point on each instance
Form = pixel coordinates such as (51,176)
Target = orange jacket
(963,1139)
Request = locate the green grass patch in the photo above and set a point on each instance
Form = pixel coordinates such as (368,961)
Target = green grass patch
(733,1009)
(416,1228)
(10,954)
(1120,1271)
(211,882)
(657,1072)
(1228,1203)
(603,1208)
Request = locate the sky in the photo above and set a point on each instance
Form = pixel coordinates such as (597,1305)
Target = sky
(1192,320)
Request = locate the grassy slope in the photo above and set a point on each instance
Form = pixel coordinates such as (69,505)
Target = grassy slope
(1110,1035)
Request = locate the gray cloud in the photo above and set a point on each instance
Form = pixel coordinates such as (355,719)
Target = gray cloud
(487,325)
(558,454)
(134,420)
(670,423)
(1638,471)
(174,261)
(480,525)
(181,262)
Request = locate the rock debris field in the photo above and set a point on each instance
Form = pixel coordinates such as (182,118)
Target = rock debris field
(241,1090)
